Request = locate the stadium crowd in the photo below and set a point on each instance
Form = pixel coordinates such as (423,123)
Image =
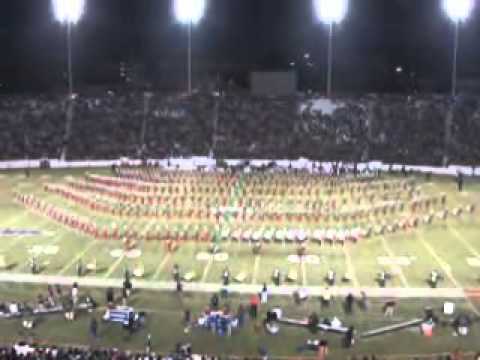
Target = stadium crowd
(182,352)
(109,125)
(32,352)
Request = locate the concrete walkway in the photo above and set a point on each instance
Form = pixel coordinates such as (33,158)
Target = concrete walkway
(287,290)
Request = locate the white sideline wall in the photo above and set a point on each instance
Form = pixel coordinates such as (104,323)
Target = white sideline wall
(209,163)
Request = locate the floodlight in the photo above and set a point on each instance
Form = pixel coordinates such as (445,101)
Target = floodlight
(189,11)
(331,11)
(458,10)
(68,11)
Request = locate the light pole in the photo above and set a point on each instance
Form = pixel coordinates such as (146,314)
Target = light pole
(69,13)
(330,12)
(330,60)
(458,11)
(190,13)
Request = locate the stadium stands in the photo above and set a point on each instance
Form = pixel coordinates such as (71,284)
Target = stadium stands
(108,125)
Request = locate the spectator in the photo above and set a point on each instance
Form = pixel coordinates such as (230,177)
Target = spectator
(264,295)
(74,294)
(254,302)
(395,129)
(93,328)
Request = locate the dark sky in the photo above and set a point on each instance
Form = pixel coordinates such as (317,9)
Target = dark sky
(236,35)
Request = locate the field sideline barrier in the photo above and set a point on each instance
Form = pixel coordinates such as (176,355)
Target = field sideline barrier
(210,164)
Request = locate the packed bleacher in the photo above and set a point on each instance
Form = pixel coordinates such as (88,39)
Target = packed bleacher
(109,125)
(182,352)
(23,350)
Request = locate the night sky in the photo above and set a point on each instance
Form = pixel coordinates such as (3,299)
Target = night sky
(237,36)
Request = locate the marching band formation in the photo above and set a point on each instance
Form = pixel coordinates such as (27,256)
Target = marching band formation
(153,204)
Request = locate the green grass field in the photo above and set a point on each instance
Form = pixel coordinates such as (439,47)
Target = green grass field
(452,247)
(165,315)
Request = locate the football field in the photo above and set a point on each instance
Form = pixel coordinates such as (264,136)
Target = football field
(450,246)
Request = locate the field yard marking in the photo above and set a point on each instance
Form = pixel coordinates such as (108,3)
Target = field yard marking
(392,255)
(160,267)
(255,269)
(351,269)
(19,240)
(98,282)
(77,258)
(464,241)
(447,269)
(207,269)
(304,272)
(114,267)
(120,259)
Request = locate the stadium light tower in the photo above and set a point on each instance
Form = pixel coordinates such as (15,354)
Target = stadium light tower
(69,13)
(190,13)
(458,11)
(330,12)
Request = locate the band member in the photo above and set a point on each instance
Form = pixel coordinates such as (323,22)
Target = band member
(330,278)
(434,279)
(226,277)
(34,265)
(276,277)
(176,273)
(382,279)
(79,268)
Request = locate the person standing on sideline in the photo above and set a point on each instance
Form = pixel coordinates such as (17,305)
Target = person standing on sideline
(110,297)
(389,308)
(79,268)
(460,181)
(254,302)
(75,294)
(264,295)
(148,345)
(349,301)
(127,286)
(322,350)
(94,328)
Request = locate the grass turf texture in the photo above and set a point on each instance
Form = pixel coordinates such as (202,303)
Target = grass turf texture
(165,316)
(445,246)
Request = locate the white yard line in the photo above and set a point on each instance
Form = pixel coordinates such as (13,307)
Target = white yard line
(114,267)
(99,282)
(350,267)
(207,269)
(162,265)
(464,241)
(78,257)
(304,273)
(446,268)
(398,268)
(255,269)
